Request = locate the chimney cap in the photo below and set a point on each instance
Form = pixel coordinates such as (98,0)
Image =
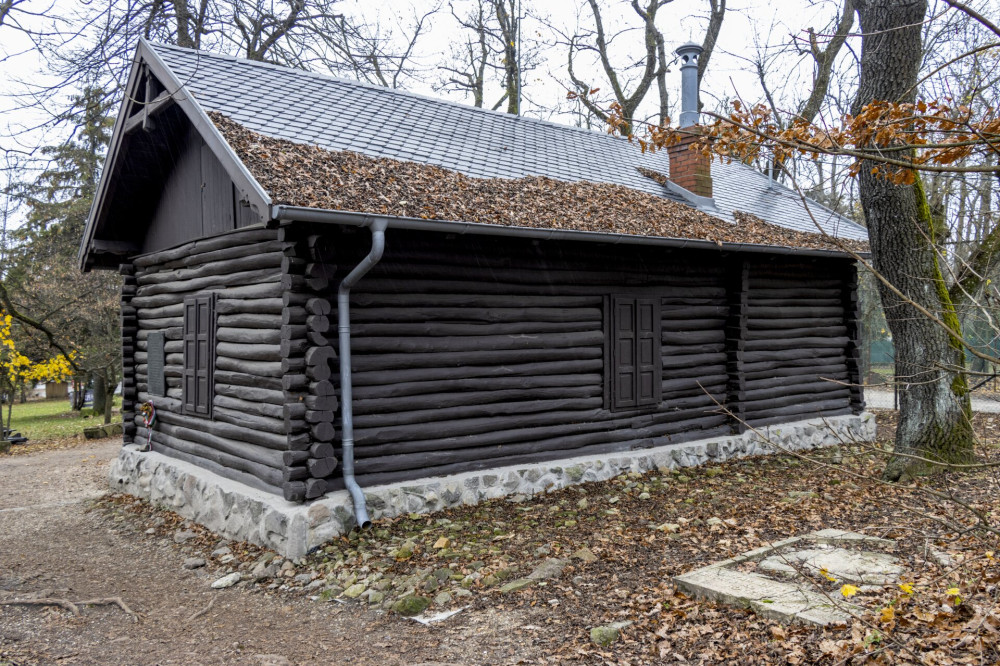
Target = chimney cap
(689,53)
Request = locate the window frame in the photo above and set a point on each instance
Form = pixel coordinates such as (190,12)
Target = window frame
(192,338)
(613,367)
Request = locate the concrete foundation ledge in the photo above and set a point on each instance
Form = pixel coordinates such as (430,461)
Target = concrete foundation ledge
(236,511)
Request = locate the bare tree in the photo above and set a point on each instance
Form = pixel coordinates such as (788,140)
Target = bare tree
(652,65)
(372,53)
(493,44)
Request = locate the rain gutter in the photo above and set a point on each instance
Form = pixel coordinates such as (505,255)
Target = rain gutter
(285,213)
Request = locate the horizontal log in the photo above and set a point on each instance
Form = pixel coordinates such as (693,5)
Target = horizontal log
(290,458)
(249,292)
(294,382)
(461,314)
(794,322)
(323,432)
(367,363)
(221,281)
(247,239)
(258,454)
(776,343)
(672,362)
(771,381)
(293,411)
(265,261)
(440,328)
(289,348)
(802,390)
(758,422)
(294,474)
(712,312)
(319,339)
(319,415)
(475,384)
(363,300)
(294,491)
(320,468)
(774,369)
(293,316)
(799,410)
(817,332)
(789,312)
(250,421)
(321,450)
(316,488)
(788,355)
(162,445)
(292,331)
(268,475)
(439,401)
(382,377)
(476,344)
(318,306)
(274,411)
(245,379)
(250,393)
(255,321)
(768,404)
(802,293)
(251,336)
(244,306)
(537,282)
(262,368)
(691,338)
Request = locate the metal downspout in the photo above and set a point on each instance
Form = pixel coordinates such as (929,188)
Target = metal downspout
(377,227)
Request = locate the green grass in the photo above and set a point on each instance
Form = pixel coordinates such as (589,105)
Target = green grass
(51,420)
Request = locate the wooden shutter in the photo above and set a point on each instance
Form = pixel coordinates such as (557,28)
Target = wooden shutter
(647,344)
(635,353)
(199,353)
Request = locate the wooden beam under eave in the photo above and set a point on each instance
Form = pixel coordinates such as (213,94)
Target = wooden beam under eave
(113,247)
(162,102)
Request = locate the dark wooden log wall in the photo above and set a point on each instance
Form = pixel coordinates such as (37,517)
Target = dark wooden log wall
(475,353)
(795,359)
(256,434)
(470,354)
(130,329)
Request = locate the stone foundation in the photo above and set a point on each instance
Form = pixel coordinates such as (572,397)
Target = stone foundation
(239,512)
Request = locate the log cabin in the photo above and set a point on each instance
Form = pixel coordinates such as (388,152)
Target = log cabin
(332,285)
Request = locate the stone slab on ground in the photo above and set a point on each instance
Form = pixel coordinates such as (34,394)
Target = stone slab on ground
(236,511)
(785,595)
(852,566)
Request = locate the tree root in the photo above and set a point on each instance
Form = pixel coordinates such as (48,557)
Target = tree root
(74,606)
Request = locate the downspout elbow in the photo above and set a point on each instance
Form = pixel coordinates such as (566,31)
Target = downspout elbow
(378,228)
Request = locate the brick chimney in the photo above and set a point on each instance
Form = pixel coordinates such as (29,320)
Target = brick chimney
(689,168)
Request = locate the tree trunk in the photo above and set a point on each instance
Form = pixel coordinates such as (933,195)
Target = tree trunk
(934,409)
(79,394)
(101,396)
(111,383)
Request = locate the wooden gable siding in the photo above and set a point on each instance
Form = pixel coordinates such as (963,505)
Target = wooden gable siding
(470,354)
(197,199)
(244,437)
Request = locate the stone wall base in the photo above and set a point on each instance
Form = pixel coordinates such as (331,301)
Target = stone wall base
(236,511)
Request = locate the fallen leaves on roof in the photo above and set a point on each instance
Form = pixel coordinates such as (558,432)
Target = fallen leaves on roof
(304,175)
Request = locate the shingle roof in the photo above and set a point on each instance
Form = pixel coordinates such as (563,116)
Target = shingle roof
(338,114)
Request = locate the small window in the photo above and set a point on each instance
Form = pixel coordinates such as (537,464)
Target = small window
(199,353)
(635,376)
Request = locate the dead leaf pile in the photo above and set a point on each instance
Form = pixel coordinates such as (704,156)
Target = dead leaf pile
(304,175)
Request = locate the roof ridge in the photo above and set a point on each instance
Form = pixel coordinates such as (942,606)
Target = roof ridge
(383,89)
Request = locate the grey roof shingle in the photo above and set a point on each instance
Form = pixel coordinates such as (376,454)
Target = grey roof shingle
(338,114)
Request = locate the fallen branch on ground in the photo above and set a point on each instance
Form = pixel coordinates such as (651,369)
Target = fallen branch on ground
(73,607)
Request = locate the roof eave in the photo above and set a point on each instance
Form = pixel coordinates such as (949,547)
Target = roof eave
(247,186)
(287,213)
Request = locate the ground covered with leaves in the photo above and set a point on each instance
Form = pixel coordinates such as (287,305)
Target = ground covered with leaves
(558,566)
(303,175)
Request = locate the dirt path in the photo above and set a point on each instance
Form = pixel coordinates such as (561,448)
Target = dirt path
(51,541)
